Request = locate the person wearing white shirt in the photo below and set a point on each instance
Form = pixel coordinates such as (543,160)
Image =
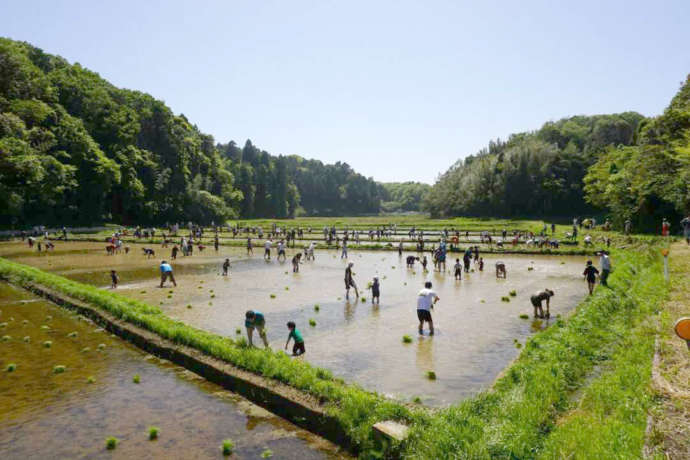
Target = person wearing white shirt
(605,264)
(426,299)
(267,249)
(281,250)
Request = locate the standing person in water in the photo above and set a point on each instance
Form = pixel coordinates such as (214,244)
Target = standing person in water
(254,319)
(343,254)
(167,273)
(250,249)
(296,260)
(298,346)
(216,243)
(400,249)
(590,275)
(458,269)
(426,299)
(267,249)
(538,298)
(375,290)
(114,279)
(173,253)
(281,250)
(350,282)
(226,267)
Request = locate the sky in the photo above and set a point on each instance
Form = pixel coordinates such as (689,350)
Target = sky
(399,90)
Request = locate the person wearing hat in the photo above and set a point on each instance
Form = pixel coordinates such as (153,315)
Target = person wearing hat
(350,282)
(538,298)
(167,272)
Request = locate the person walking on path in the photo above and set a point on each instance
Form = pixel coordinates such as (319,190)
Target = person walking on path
(167,273)
(350,282)
(590,275)
(426,299)
(685,223)
(254,319)
(605,264)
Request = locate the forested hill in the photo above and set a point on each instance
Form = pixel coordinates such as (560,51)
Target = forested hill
(76,149)
(537,173)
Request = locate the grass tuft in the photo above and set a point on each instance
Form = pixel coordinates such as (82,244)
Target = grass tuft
(227,447)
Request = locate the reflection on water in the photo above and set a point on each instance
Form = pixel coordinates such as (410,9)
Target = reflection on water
(48,415)
(475,329)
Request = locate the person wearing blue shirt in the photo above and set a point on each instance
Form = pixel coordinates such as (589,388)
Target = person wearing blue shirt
(167,272)
(255,320)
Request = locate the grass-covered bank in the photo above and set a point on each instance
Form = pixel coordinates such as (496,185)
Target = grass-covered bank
(522,417)
(525,413)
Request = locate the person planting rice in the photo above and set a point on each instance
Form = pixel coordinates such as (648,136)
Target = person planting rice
(458,269)
(426,299)
(167,272)
(350,282)
(298,345)
(148,252)
(410,261)
(375,290)
(114,279)
(281,250)
(590,275)
(174,252)
(537,300)
(296,260)
(267,249)
(226,267)
(481,264)
(216,243)
(250,250)
(501,271)
(255,320)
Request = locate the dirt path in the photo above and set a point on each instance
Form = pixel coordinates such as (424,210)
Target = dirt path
(670,430)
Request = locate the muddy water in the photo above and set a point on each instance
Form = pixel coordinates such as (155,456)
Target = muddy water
(475,330)
(48,415)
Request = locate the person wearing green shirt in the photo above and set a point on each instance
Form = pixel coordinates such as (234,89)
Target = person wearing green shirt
(255,320)
(298,346)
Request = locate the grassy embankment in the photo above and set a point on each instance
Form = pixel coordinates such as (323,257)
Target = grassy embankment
(530,412)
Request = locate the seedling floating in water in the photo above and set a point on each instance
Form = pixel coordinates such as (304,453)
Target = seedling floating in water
(91,379)
(431,375)
(512,293)
(153,432)
(268,453)
(238,331)
(47,344)
(407,339)
(45,328)
(27,339)
(101,346)
(273,296)
(111,443)
(316,307)
(72,334)
(364,299)
(505,298)
(11,367)
(189,305)
(228,447)
(312,322)
(136,378)
(524,316)
(59,369)
(85,350)
(530,269)
(6,338)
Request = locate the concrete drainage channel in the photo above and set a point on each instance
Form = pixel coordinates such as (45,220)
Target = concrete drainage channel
(280,399)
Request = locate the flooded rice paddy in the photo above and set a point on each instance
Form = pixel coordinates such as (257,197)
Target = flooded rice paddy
(476,331)
(46,413)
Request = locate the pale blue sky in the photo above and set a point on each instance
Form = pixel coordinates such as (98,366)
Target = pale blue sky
(398,89)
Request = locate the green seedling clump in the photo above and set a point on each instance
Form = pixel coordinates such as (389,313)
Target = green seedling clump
(85,350)
(238,331)
(512,293)
(316,307)
(505,298)
(273,296)
(364,299)
(529,269)
(406,339)
(27,339)
(91,379)
(45,327)
(11,367)
(417,400)
(153,432)
(72,334)
(431,375)
(267,453)
(136,378)
(189,305)
(6,338)
(59,369)
(101,346)
(312,322)
(228,447)
(47,344)
(111,443)
(524,316)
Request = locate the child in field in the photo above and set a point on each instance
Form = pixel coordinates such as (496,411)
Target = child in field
(298,346)
(114,279)
(481,264)
(375,290)
(590,275)
(226,266)
(458,269)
